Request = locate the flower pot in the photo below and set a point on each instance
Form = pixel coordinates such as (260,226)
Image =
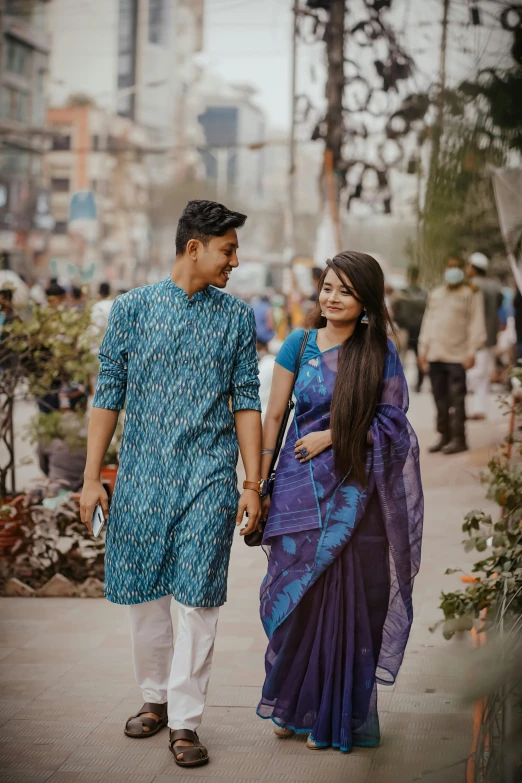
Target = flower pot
(11,526)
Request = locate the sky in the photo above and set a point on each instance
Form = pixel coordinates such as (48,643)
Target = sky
(250,41)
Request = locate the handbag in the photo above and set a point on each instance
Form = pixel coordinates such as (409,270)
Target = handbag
(255,538)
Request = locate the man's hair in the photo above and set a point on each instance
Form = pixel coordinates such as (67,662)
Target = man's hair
(6,294)
(55,289)
(457,257)
(104,290)
(203,220)
(76,292)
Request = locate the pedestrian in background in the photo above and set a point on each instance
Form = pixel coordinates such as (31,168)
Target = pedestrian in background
(176,353)
(345,520)
(263,316)
(266,370)
(453,330)
(101,310)
(409,312)
(479,377)
(55,293)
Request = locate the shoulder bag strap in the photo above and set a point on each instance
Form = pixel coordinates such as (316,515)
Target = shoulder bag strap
(289,406)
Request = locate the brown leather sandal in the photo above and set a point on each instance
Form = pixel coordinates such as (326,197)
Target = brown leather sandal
(135,724)
(194,756)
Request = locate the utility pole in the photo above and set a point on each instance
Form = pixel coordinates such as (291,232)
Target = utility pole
(439,121)
(290,208)
(334,120)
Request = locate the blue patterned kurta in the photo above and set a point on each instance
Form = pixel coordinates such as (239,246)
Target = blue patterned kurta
(175,362)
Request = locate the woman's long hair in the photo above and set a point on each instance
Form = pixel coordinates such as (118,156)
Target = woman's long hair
(360,369)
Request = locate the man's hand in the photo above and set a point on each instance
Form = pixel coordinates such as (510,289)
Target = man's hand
(469,363)
(424,364)
(93,493)
(313,443)
(249,503)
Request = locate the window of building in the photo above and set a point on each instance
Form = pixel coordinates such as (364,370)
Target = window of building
(60,227)
(157,22)
(61,142)
(60,184)
(18,58)
(14,105)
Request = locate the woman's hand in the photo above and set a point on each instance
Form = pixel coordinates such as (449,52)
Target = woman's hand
(312,445)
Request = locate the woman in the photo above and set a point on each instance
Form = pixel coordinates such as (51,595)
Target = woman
(345,521)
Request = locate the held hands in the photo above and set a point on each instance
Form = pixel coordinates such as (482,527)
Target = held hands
(469,363)
(249,503)
(93,493)
(312,445)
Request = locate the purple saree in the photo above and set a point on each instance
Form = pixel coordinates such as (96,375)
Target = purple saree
(336,603)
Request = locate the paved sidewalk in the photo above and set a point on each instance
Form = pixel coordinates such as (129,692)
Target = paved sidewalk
(66,679)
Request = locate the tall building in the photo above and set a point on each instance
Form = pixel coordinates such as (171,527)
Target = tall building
(103,153)
(24,202)
(234,129)
(121,55)
(129,64)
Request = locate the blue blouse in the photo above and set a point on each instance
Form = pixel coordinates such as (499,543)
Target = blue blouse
(287,356)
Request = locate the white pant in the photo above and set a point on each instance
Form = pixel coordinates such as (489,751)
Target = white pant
(174,673)
(479,378)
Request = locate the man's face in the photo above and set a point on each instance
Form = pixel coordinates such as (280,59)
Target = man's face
(216,261)
(451,263)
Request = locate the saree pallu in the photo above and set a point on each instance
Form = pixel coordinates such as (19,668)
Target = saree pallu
(336,602)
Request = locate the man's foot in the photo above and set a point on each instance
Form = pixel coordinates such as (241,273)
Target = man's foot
(455,447)
(439,446)
(147,722)
(187,749)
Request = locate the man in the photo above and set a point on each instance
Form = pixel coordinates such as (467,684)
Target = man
(480,376)
(266,371)
(178,351)
(409,312)
(101,309)
(452,331)
(55,293)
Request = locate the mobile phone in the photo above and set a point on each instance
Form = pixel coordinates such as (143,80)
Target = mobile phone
(97,521)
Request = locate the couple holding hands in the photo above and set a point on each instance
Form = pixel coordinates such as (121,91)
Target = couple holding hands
(342,523)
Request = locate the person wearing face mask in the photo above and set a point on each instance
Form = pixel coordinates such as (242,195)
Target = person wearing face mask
(453,330)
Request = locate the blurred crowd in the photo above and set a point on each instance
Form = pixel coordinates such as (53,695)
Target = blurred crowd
(462,336)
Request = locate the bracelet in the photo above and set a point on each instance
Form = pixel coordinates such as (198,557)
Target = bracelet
(267,451)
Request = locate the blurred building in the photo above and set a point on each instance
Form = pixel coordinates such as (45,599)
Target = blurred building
(121,54)
(24,200)
(121,87)
(233,128)
(93,150)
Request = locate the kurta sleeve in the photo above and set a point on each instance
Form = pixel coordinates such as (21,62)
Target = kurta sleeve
(477,334)
(245,381)
(112,378)
(426,329)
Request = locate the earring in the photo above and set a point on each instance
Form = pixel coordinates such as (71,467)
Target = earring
(364,319)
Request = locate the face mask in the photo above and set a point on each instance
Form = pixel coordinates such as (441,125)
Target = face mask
(454,276)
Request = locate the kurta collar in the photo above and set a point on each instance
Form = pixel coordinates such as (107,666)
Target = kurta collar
(180,293)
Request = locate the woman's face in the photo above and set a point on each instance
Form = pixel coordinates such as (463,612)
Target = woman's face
(337,304)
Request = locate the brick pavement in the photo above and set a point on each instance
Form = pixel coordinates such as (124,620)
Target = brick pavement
(66,680)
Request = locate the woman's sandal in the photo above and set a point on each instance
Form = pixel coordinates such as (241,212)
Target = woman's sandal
(136,725)
(192,756)
(311,744)
(284,733)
